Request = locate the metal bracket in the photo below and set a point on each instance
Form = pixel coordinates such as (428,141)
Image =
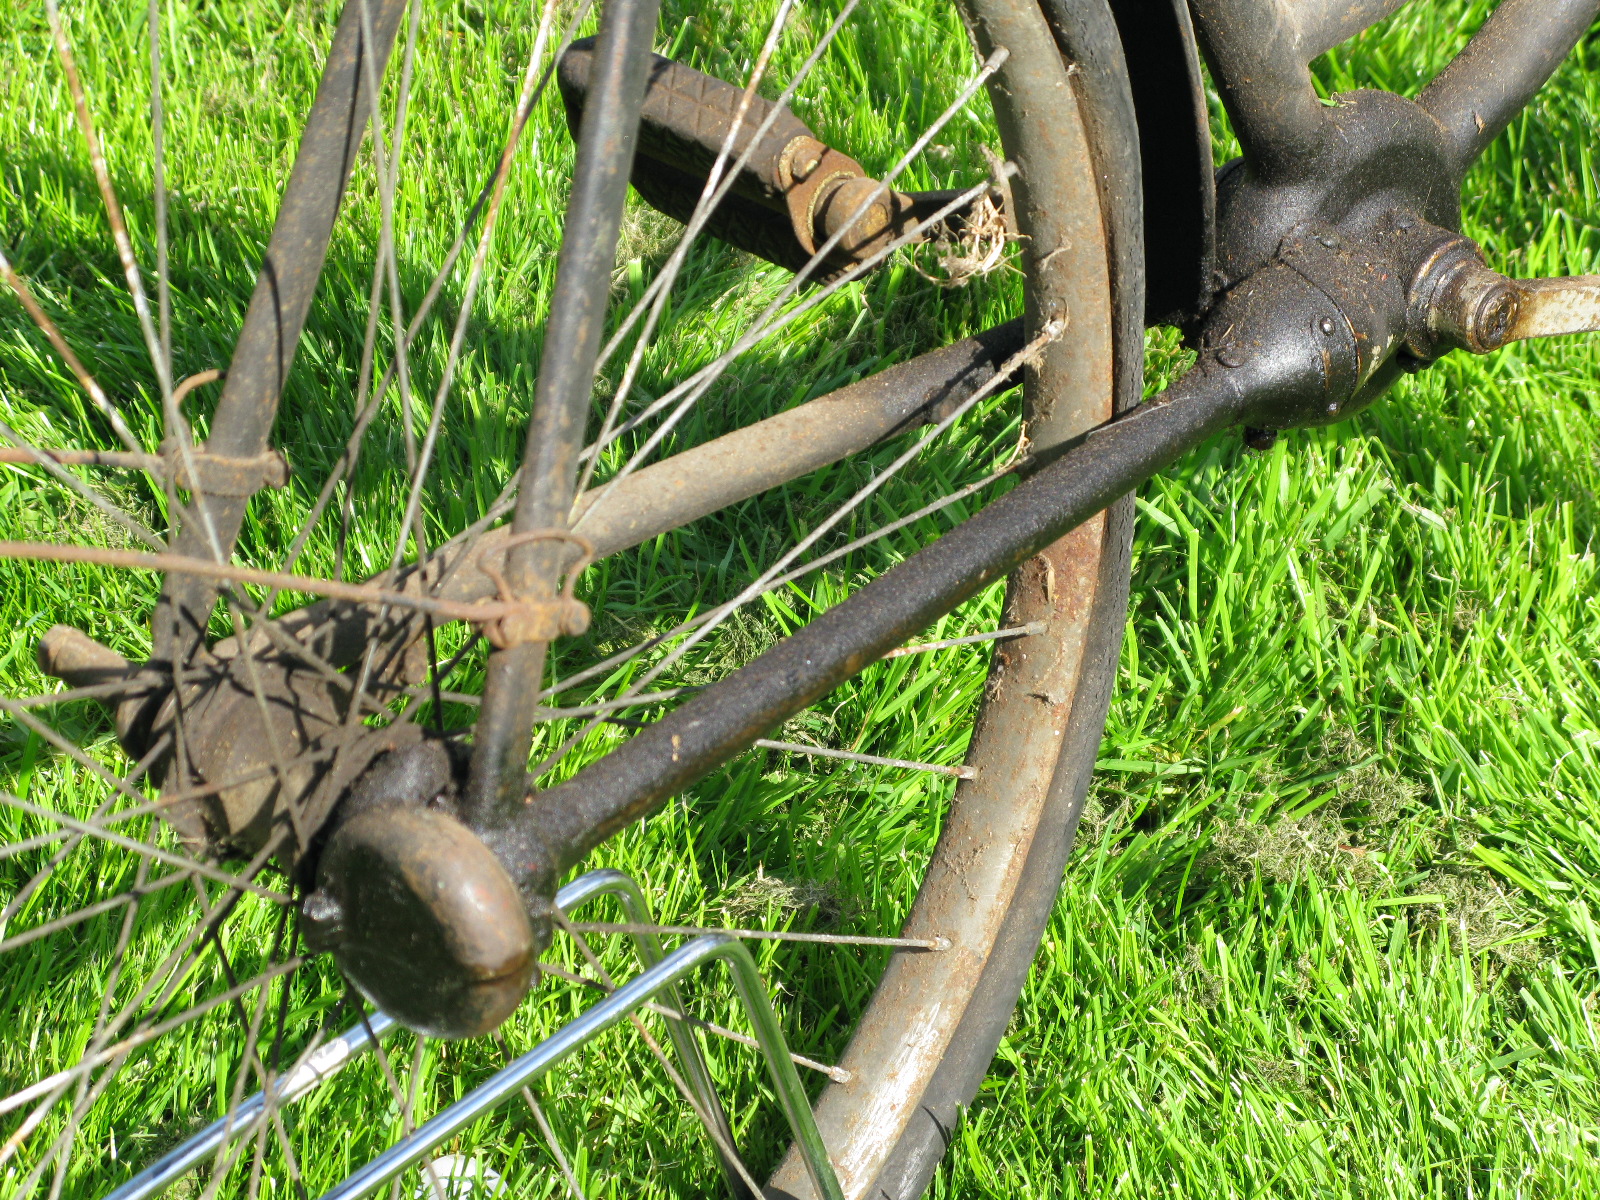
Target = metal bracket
(659,979)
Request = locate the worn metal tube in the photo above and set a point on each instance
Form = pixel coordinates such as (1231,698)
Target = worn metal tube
(557,827)
(1508,60)
(748,461)
(689,485)
(1255,50)
(278,306)
(1324,24)
(561,397)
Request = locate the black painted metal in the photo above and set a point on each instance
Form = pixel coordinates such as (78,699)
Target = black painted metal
(1323,24)
(1330,226)
(1509,59)
(1179,188)
(1088,38)
(561,398)
(1339,265)
(1381,154)
(267,342)
(555,828)
(1253,47)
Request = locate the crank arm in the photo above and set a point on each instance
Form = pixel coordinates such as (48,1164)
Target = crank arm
(1459,303)
(1553,307)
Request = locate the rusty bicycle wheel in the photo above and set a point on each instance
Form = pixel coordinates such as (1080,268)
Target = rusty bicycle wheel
(281,801)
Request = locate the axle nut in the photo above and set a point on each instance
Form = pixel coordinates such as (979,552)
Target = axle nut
(424,920)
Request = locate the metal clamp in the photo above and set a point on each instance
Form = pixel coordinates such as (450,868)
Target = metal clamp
(523,619)
(220,475)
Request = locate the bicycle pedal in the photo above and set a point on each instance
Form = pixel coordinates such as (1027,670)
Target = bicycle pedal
(793,194)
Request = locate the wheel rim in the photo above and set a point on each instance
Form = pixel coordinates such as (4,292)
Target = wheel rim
(994,875)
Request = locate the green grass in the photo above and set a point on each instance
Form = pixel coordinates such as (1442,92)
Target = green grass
(1332,928)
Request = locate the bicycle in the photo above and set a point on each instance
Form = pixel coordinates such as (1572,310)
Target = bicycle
(304,806)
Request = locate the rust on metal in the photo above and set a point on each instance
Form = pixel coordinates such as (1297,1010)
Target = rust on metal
(793,193)
(424,920)
(221,474)
(1554,307)
(532,618)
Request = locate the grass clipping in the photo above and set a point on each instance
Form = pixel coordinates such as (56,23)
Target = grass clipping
(976,245)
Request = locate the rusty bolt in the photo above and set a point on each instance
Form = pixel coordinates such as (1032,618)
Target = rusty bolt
(1469,306)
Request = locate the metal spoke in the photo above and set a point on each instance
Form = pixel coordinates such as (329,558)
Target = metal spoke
(365,413)
(773,318)
(192,865)
(386,255)
(401,1097)
(182,564)
(103,819)
(659,287)
(68,1135)
(533,86)
(318,1062)
(108,195)
(130,898)
(90,385)
(53,467)
(113,977)
(871,760)
(76,753)
(837,1074)
(783,580)
(159,165)
(173,969)
(409,1108)
(177,428)
(710,195)
(222,1166)
(14,905)
(545,1129)
(146,1035)
(970,639)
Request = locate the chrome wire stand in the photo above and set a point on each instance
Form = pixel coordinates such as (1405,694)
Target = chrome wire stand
(659,979)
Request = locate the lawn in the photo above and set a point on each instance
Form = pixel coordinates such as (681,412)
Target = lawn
(1332,928)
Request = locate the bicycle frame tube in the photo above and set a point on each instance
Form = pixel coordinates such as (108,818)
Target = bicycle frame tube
(262,356)
(1519,47)
(561,398)
(1259,51)
(1344,252)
